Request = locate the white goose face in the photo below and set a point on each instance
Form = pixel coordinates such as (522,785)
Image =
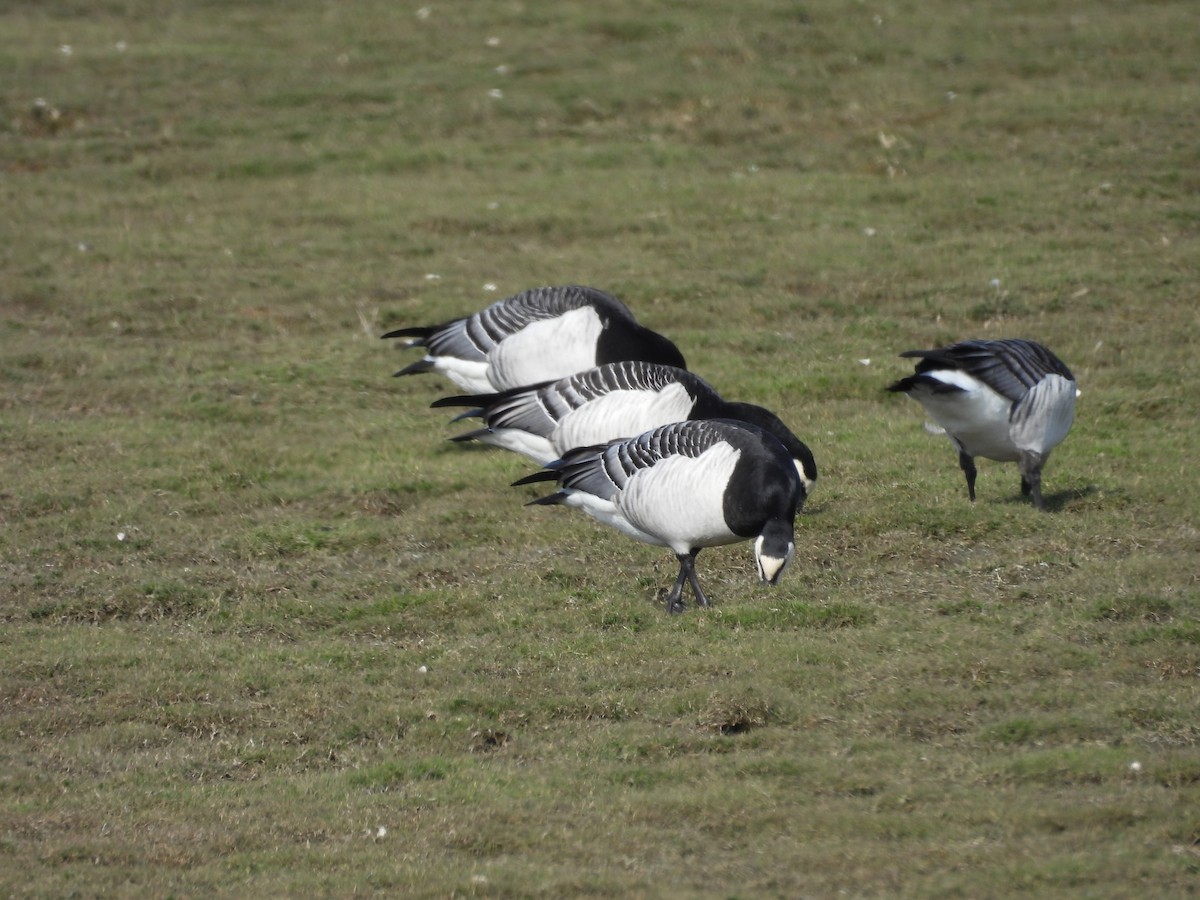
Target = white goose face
(804,479)
(770,567)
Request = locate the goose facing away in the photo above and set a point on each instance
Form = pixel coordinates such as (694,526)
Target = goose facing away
(1007,400)
(533,337)
(687,486)
(616,400)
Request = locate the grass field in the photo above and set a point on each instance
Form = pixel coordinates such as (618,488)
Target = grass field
(266,632)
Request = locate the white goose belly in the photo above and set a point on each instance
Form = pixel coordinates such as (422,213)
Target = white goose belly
(470,375)
(977,418)
(534,446)
(608,513)
(621,414)
(546,350)
(682,499)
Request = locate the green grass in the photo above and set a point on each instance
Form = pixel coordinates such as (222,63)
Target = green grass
(266,632)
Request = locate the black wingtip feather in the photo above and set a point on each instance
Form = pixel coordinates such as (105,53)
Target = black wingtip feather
(478,400)
(476,411)
(419,331)
(469,436)
(543,475)
(421,365)
(935,385)
(549,500)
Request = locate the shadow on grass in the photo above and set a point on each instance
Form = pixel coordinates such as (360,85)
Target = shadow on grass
(449,445)
(1058,500)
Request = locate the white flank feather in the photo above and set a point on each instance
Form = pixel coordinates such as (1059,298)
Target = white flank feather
(546,350)
(534,446)
(621,414)
(608,513)
(978,418)
(470,375)
(682,498)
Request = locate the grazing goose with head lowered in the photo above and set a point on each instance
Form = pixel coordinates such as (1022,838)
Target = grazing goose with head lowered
(688,485)
(616,400)
(533,337)
(1008,400)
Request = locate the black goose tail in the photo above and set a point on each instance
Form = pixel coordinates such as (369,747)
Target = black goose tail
(421,365)
(549,500)
(477,400)
(419,331)
(476,435)
(903,386)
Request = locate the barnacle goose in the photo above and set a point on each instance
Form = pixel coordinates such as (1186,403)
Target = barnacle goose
(1008,400)
(688,485)
(616,400)
(535,336)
